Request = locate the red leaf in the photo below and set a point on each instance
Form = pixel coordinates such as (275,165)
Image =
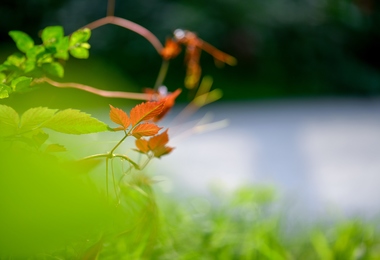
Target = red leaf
(142,145)
(119,117)
(158,141)
(145,129)
(169,103)
(146,111)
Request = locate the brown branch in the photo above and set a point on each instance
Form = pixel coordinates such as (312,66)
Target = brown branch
(99,92)
(111,7)
(130,26)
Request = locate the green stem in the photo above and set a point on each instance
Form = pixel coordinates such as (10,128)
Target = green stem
(118,144)
(107,177)
(161,74)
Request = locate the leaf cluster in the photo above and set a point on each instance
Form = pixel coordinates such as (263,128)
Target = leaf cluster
(34,61)
(28,127)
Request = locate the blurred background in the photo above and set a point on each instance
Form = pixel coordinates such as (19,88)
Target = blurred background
(302,103)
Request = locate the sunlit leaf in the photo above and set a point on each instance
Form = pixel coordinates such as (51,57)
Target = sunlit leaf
(146,111)
(80,36)
(72,121)
(9,121)
(142,145)
(119,117)
(35,117)
(145,129)
(162,150)
(52,35)
(16,59)
(54,68)
(158,140)
(32,53)
(62,48)
(80,53)
(4,91)
(21,83)
(23,41)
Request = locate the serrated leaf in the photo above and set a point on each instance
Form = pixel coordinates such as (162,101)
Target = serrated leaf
(53,148)
(54,68)
(51,35)
(35,117)
(145,129)
(72,121)
(23,41)
(20,83)
(80,53)
(119,117)
(9,121)
(146,111)
(159,140)
(80,36)
(142,145)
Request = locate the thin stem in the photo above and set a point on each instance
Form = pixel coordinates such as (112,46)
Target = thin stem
(128,160)
(114,183)
(117,145)
(99,92)
(161,74)
(95,156)
(107,177)
(130,26)
(111,7)
(146,163)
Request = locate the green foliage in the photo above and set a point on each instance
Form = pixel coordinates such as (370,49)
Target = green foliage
(21,70)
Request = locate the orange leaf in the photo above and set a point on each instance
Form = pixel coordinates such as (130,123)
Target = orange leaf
(158,141)
(119,117)
(162,150)
(145,129)
(146,111)
(142,145)
(171,50)
(169,103)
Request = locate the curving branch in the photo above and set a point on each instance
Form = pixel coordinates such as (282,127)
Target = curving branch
(99,92)
(130,26)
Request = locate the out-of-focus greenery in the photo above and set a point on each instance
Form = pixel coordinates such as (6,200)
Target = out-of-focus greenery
(284,48)
(52,223)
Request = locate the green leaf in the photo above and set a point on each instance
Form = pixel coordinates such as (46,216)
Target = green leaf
(51,35)
(16,59)
(9,121)
(40,137)
(80,36)
(35,117)
(22,40)
(3,77)
(72,121)
(32,53)
(21,83)
(54,68)
(3,91)
(62,49)
(80,53)
(53,148)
